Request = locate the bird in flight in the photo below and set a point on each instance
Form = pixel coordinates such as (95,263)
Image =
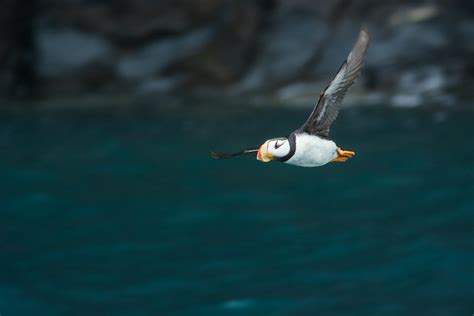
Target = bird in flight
(310,145)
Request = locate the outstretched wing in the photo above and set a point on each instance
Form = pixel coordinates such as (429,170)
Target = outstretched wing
(227,156)
(330,101)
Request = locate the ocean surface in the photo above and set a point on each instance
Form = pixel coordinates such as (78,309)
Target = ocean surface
(120,212)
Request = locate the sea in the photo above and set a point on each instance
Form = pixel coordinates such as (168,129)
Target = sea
(121,211)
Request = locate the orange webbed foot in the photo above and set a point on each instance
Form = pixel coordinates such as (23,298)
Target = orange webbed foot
(343,155)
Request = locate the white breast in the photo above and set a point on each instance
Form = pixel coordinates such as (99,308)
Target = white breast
(312,151)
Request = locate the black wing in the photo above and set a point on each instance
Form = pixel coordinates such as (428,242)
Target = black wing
(227,156)
(327,108)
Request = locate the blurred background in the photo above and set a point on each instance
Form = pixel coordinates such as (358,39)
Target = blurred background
(420,49)
(110,205)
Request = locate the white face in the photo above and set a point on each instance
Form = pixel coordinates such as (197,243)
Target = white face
(273,148)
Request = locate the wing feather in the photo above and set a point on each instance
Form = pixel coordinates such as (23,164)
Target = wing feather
(330,100)
(216,155)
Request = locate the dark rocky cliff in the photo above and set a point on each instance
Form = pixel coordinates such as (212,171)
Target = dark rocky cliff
(419,49)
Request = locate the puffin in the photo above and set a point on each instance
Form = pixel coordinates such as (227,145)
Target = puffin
(310,145)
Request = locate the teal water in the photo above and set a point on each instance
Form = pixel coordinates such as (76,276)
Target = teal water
(123,213)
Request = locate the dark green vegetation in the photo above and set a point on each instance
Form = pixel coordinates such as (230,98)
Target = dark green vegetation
(125,214)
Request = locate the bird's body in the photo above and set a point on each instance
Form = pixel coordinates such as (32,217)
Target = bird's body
(312,151)
(310,146)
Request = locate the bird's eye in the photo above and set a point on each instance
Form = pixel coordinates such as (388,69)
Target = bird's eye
(277,145)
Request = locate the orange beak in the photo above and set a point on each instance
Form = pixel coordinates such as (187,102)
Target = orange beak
(263,154)
(259,154)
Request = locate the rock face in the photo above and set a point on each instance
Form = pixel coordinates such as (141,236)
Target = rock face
(17,51)
(155,57)
(286,49)
(144,46)
(65,52)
